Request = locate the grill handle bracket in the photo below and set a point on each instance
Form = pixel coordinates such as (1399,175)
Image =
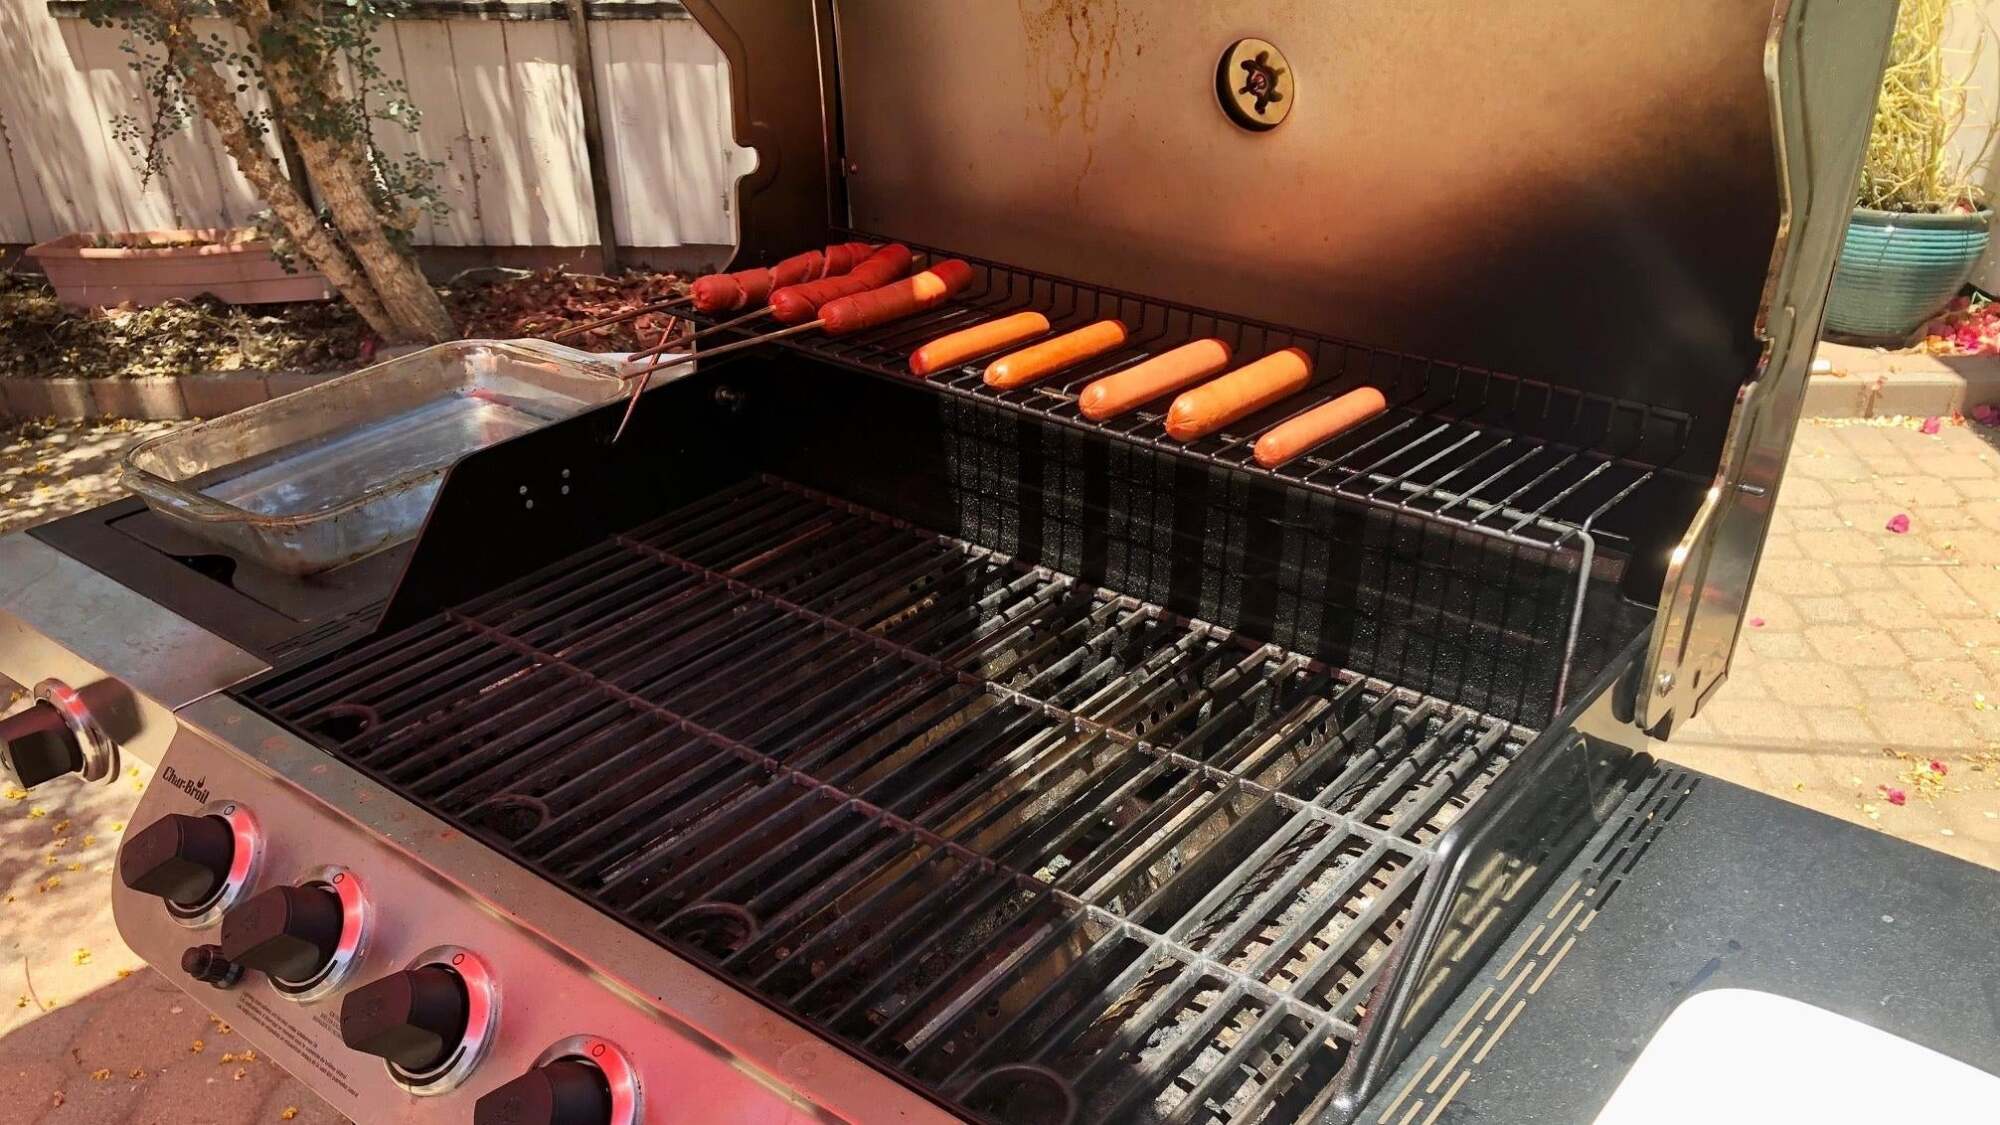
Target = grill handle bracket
(1820,120)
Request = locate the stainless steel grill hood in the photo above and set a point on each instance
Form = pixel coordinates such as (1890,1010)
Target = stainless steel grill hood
(1636,200)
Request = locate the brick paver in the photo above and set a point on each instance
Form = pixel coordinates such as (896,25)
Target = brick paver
(1871,654)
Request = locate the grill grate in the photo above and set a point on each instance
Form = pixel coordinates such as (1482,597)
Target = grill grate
(1044,850)
(1524,461)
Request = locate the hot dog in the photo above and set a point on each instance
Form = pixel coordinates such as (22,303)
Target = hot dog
(726,292)
(797,304)
(1143,382)
(1050,356)
(957,347)
(1246,390)
(839,259)
(1321,424)
(935,285)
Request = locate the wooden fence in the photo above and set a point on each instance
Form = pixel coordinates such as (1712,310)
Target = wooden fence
(499,109)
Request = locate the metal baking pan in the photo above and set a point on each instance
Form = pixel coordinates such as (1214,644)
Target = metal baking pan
(326,475)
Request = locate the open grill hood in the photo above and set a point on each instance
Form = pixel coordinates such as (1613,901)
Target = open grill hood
(1636,201)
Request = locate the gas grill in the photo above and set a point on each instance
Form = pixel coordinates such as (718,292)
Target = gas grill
(839,745)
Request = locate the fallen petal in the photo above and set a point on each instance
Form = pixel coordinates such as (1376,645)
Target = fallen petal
(1938,767)
(1930,426)
(1899,523)
(1756,623)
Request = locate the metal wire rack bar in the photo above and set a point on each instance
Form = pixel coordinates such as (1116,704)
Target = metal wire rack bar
(1528,462)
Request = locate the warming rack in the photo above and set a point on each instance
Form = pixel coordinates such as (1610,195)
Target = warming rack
(1529,463)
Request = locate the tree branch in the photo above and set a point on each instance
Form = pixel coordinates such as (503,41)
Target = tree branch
(218,105)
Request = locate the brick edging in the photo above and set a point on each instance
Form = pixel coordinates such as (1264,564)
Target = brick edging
(209,394)
(1857,382)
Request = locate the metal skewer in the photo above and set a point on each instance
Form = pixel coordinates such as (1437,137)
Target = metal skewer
(735,345)
(615,318)
(639,383)
(709,331)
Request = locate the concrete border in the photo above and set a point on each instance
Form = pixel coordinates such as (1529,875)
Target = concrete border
(163,398)
(157,398)
(1856,382)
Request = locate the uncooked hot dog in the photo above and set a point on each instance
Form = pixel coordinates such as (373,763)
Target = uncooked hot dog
(1143,382)
(1246,390)
(957,347)
(796,304)
(932,287)
(1050,356)
(1318,426)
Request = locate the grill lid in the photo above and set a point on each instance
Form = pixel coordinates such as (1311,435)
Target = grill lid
(1585,193)
(1642,201)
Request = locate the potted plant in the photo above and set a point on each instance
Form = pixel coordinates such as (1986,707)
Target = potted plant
(1920,224)
(147,267)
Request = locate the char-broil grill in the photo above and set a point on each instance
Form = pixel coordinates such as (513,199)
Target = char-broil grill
(1062,770)
(1057,770)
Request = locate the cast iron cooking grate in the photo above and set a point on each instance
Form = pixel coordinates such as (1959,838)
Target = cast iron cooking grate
(1045,851)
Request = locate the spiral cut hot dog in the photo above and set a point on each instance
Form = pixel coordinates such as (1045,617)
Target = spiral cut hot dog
(796,304)
(729,292)
(926,290)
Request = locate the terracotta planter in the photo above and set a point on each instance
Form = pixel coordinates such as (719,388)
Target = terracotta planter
(232,264)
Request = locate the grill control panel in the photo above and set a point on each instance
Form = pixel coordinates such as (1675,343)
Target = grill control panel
(399,994)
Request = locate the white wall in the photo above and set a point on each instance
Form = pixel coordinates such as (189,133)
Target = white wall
(1973,37)
(500,112)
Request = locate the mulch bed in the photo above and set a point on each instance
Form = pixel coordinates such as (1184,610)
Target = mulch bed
(40,339)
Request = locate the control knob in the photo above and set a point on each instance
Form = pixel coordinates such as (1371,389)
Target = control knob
(288,933)
(37,745)
(565,1091)
(182,859)
(415,1018)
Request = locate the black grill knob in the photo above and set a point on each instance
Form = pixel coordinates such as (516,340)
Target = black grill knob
(564,1092)
(183,859)
(206,964)
(415,1018)
(287,933)
(38,746)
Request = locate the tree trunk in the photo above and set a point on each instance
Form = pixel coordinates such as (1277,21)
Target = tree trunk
(314,242)
(339,170)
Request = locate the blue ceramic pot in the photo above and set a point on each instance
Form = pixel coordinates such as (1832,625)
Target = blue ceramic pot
(1896,270)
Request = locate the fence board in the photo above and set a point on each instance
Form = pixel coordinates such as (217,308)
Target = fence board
(37,97)
(24,211)
(689,62)
(429,68)
(548,124)
(498,112)
(635,90)
(479,54)
(107,75)
(193,181)
(395,141)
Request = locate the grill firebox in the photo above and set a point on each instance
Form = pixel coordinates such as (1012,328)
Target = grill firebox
(1046,851)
